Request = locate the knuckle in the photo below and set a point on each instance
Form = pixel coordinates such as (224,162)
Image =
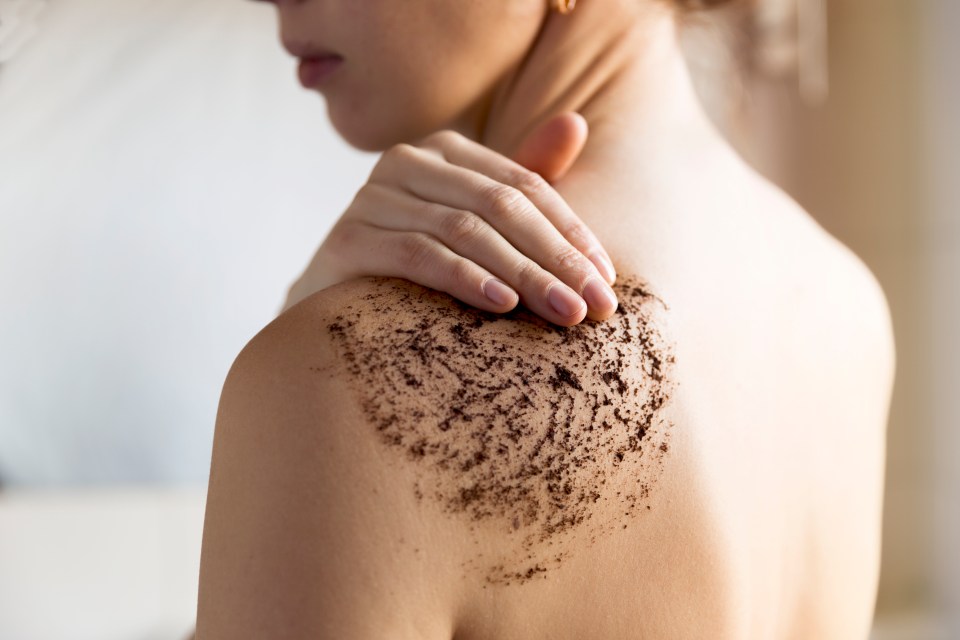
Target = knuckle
(341,238)
(530,182)
(569,259)
(461,227)
(503,200)
(576,232)
(399,152)
(527,272)
(442,138)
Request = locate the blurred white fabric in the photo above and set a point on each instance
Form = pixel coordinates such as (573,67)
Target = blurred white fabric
(163,178)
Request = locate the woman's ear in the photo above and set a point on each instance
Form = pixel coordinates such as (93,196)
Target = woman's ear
(552,147)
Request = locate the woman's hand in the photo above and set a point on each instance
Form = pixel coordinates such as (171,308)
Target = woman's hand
(452,215)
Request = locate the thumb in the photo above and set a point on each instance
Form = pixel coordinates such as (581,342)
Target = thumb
(552,147)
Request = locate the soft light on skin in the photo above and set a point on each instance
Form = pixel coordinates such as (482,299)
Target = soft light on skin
(616,62)
(494,70)
(411,68)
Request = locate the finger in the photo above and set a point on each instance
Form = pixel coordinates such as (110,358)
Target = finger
(471,237)
(553,146)
(462,151)
(514,217)
(421,258)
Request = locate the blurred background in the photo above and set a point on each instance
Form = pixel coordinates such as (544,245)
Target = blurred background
(164,178)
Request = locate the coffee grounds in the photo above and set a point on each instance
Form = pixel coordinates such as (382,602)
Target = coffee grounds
(510,418)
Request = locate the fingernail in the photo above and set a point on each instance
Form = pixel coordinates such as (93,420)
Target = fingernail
(497,291)
(564,300)
(604,265)
(599,294)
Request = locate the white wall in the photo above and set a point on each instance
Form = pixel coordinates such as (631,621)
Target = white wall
(163,177)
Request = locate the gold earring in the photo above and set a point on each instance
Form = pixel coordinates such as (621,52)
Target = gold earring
(564,6)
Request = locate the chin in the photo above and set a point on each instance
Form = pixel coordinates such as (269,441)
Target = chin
(373,134)
(367,139)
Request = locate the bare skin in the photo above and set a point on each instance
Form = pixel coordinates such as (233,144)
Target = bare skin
(764,518)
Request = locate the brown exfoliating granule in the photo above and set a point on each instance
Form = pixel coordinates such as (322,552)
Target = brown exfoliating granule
(510,418)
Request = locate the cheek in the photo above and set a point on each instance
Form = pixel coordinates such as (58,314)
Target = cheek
(394,92)
(388,96)
(412,74)
(386,91)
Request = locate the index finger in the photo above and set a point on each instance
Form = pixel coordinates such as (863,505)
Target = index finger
(462,151)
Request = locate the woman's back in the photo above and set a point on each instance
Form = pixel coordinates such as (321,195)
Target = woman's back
(765,521)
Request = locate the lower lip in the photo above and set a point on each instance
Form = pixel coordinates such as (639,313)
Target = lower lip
(313,71)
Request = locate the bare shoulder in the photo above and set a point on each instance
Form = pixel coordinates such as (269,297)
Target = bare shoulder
(855,305)
(308,532)
(839,292)
(515,428)
(381,442)
(870,310)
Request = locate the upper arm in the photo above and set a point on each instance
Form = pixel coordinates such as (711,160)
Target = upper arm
(307,531)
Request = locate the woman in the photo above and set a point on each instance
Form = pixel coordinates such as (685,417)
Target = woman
(702,459)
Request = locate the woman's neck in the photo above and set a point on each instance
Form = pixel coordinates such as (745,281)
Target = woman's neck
(619,64)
